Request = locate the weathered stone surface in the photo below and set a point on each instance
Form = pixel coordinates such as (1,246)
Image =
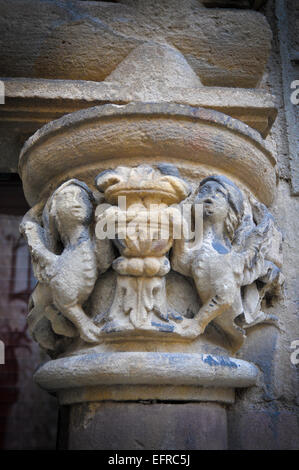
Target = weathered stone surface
(235,246)
(220,267)
(270,428)
(140,310)
(65,280)
(84,143)
(240,244)
(256,4)
(191,49)
(145,368)
(87,40)
(271,408)
(288,32)
(163,393)
(137,426)
(30,103)
(142,265)
(11,145)
(138,72)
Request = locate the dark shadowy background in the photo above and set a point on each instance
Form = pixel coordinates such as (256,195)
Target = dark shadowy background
(28,415)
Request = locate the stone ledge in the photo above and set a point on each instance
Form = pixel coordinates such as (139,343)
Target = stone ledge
(84,143)
(163,393)
(31,103)
(147,369)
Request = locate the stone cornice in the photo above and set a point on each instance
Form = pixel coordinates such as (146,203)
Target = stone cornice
(31,103)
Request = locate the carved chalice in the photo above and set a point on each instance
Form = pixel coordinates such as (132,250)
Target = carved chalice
(143,213)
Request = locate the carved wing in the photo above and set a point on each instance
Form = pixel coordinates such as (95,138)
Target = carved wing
(259,244)
(253,242)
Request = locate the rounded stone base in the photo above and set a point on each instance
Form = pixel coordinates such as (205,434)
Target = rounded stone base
(134,376)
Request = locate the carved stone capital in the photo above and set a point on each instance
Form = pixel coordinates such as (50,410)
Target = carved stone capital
(153,249)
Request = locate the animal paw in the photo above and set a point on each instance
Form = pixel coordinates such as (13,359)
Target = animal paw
(90,332)
(61,325)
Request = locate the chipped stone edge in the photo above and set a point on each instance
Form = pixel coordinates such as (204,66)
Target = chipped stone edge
(159,393)
(174,371)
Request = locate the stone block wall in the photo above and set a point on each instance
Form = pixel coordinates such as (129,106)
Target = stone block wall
(265,416)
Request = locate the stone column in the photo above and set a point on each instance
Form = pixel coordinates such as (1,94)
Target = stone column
(153,247)
(142,426)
